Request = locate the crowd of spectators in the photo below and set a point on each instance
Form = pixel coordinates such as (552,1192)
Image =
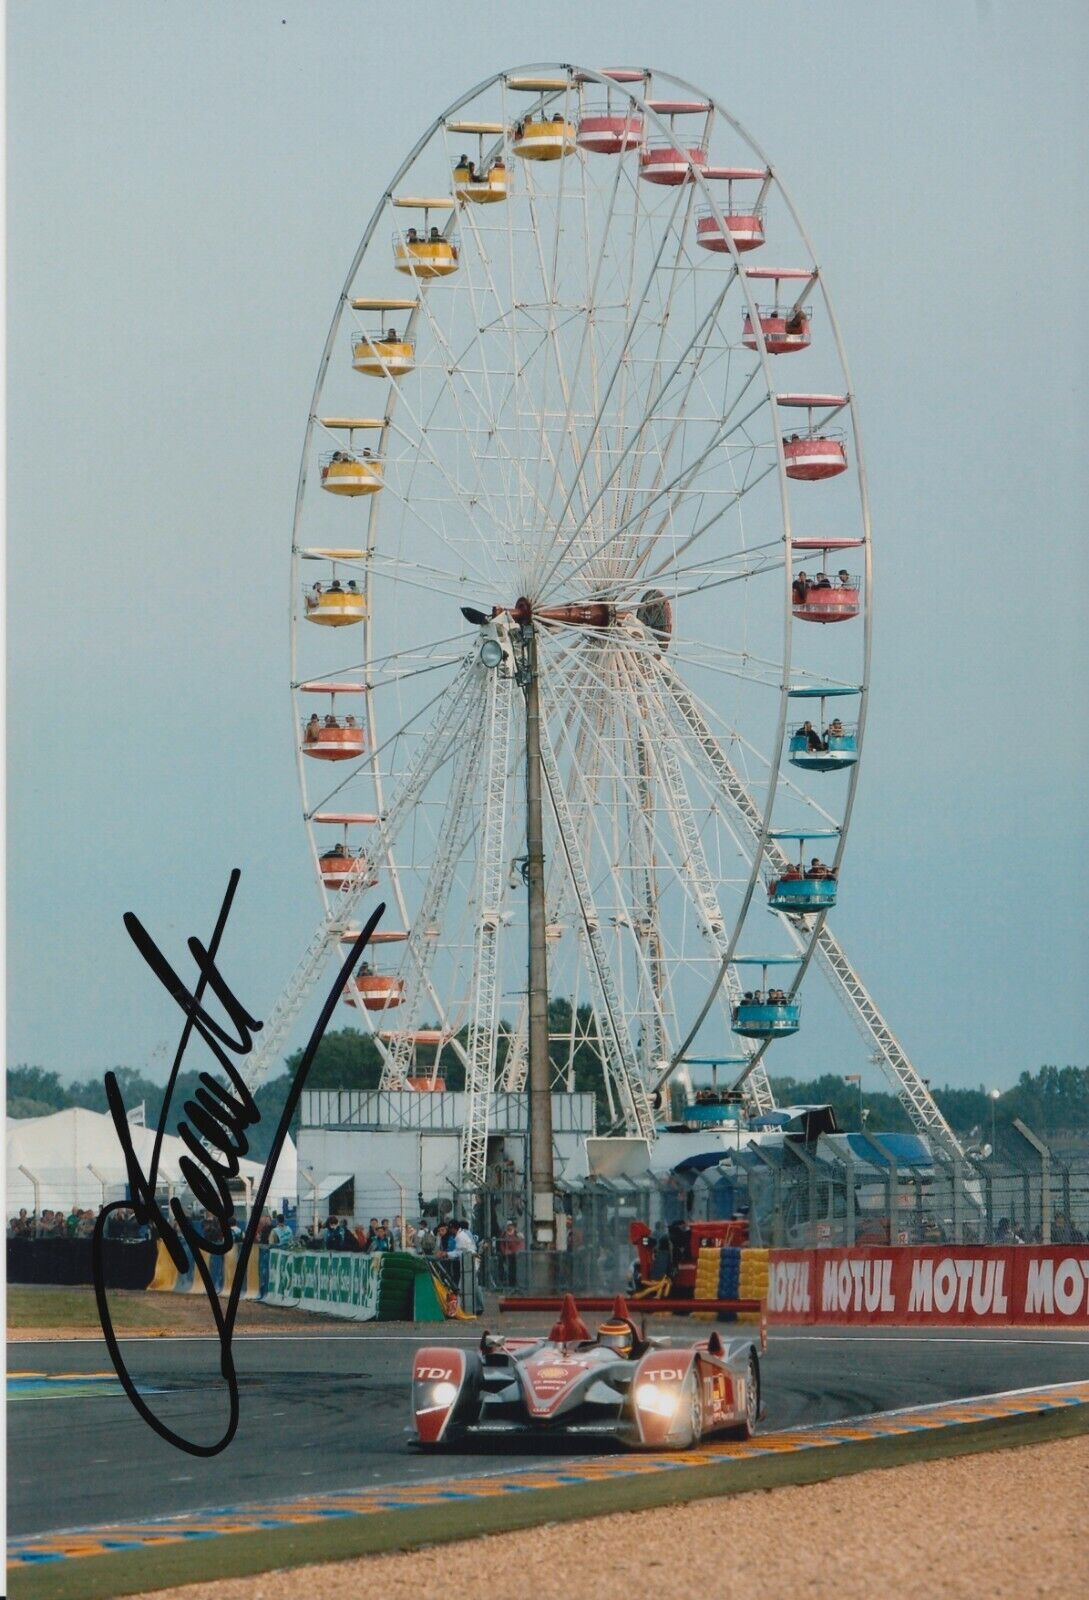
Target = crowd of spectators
(75,1223)
(447,1241)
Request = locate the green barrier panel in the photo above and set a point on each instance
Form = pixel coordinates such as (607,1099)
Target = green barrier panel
(363,1288)
(426,1306)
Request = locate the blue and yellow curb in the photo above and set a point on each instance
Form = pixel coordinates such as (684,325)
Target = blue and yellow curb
(46,1549)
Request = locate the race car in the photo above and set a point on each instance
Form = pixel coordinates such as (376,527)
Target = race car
(618,1383)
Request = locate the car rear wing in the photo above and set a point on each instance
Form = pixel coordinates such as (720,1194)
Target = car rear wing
(645,1308)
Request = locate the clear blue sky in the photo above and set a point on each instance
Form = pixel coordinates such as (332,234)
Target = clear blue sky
(186,185)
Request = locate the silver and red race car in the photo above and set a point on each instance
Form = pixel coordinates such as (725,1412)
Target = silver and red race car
(616,1383)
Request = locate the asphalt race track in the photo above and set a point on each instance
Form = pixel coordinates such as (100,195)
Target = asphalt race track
(327,1411)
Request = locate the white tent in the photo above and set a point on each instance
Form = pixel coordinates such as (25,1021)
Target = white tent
(73,1158)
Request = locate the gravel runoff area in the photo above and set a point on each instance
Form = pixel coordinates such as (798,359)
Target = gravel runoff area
(979,1527)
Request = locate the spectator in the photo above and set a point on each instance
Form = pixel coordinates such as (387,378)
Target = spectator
(373,1229)
(464,1241)
(510,1246)
(71,1221)
(346,1239)
(425,1239)
(1063,1230)
(813,740)
(800,588)
(264,1227)
(281,1233)
(381,1243)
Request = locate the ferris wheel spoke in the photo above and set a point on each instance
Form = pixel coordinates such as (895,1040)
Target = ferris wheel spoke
(568,428)
(632,322)
(693,865)
(726,426)
(616,1039)
(489,407)
(484,1023)
(673,492)
(450,713)
(491,411)
(678,403)
(614,708)
(630,910)
(422,943)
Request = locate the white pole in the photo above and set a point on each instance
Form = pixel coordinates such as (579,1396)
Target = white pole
(93,1170)
(399,1186)
(36,1186)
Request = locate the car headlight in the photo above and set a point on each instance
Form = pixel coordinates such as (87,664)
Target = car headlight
(444,1394)
(653,1397)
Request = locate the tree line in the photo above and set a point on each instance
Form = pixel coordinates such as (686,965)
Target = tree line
(1051,1100)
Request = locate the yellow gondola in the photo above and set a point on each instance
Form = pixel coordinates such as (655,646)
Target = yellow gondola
(382,356)
(543,138)
(430,257)
(346,473)
(335,606)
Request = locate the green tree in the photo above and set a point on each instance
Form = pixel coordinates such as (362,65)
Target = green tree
(37,1087)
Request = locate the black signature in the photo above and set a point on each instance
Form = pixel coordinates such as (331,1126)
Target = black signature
(215,1135)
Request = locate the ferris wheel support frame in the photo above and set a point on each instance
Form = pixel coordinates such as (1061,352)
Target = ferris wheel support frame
(910,1089)
(483,1028)
(695,867)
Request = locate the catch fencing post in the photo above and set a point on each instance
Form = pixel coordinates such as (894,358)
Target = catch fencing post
(777,1231)
(35,1184)
(1044,1154)
(892,1180)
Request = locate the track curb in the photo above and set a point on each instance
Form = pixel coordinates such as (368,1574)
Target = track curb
(492,1506)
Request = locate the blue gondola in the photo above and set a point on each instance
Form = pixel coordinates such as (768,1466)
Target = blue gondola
(825,750)
(753,1021)
(761,1017)
(803,890)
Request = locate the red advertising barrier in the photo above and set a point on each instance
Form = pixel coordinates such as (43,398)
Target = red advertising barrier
(956,1286)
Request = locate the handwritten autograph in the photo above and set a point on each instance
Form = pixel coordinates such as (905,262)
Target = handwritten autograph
(215,1135)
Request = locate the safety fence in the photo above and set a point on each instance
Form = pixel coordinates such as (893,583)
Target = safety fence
(822,1194)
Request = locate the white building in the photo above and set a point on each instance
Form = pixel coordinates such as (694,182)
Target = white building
(377,1153)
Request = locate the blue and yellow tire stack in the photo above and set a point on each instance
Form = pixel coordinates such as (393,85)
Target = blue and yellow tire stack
(752,1280)
(731,1274)
(729,1279)
(707,1272)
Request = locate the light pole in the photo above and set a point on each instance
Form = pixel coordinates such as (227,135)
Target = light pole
(994,1095)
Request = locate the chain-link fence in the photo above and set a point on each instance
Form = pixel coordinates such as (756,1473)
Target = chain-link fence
(799,1196)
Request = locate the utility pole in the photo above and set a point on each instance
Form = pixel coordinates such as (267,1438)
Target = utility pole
(541,1178)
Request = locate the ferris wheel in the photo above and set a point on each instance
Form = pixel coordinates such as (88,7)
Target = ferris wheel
(568,517)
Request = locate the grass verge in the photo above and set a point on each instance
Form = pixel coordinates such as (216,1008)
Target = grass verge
(44,1311)
(235,1555)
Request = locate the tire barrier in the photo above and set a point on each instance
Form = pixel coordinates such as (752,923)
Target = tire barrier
(127,1263)
(958,1286)
(728,1273)
(396,1287)
(168,1280)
